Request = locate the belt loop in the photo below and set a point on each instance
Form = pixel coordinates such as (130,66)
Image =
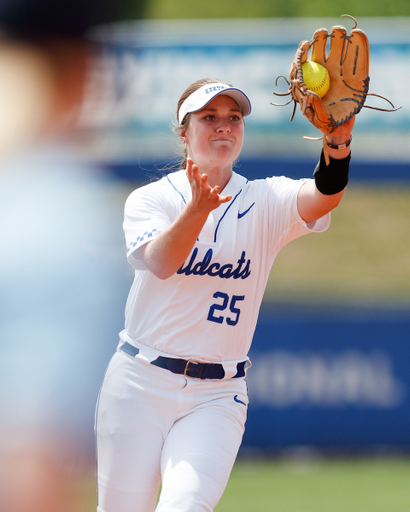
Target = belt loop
(240,367)
(129,349)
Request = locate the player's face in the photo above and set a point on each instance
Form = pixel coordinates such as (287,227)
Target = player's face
(215,134)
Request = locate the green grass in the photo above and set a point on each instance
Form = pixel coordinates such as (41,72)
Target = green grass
(364,257)
(373,485)
(318,485)
(84,495)
(181,9)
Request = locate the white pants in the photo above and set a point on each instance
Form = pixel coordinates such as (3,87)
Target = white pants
(153,426)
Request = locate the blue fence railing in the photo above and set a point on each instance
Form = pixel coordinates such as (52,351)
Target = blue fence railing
(264,167)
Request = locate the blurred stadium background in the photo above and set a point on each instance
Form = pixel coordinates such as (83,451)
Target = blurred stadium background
(88,96)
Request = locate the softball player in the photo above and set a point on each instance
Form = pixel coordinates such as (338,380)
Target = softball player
(202,240)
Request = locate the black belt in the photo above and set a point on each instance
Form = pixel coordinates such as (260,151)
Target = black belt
(193,369)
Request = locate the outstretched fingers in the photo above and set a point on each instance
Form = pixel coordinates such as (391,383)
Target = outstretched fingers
(193,173)
(204,197)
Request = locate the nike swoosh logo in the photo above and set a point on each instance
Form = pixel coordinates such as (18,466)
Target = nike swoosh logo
(238,401)
(240,215)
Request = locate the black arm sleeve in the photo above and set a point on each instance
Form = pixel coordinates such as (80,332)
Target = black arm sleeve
(333,178)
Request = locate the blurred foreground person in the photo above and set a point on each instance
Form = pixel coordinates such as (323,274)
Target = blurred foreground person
(51,203)
(44,58)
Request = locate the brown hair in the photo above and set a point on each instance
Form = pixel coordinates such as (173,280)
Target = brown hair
(188,91)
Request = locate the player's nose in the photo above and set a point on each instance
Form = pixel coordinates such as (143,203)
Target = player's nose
(223,126)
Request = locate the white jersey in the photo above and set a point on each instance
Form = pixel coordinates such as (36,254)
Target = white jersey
(208,309)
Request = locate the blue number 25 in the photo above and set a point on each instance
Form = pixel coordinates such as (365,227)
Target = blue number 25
(222,306)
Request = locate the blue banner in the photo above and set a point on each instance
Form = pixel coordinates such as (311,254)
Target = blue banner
(132,94)
(329,380)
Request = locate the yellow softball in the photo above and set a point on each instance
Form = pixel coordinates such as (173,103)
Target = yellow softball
(316,77)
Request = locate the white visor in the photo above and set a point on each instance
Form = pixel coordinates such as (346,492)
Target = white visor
(201,97)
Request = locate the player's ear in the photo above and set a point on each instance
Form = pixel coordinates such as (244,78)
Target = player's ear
(183,136)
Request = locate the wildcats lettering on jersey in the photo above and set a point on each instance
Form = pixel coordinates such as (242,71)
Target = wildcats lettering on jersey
(205,267)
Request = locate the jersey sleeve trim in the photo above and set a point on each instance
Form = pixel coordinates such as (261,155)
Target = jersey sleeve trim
(142,239)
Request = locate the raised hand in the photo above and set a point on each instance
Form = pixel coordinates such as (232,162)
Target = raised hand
(204,197)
